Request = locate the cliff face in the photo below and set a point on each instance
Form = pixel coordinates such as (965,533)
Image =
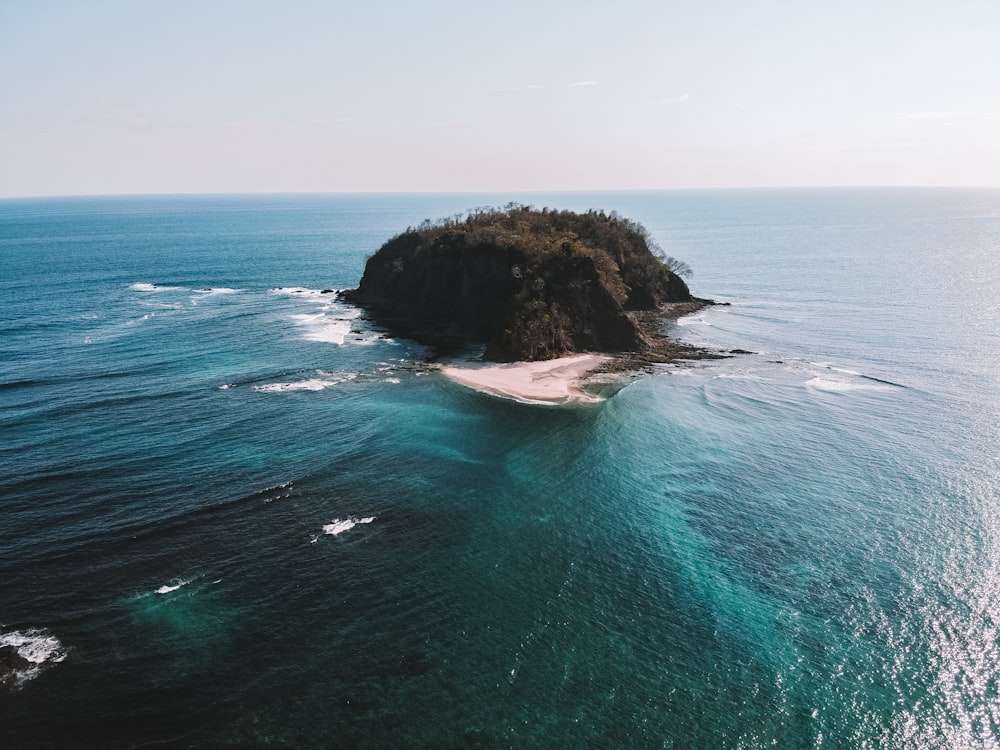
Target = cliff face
(530,284)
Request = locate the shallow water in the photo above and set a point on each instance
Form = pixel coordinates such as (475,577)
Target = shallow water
(235,513)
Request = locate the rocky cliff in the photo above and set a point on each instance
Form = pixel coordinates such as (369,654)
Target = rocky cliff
(529,284)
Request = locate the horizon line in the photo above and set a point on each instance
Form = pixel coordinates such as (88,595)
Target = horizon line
(499,191)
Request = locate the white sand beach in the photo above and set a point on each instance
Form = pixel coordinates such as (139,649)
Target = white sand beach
(553,381)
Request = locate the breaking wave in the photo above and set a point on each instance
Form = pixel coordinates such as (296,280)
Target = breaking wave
(37,648)
(142,286)
(339,526)
(325,380)
(332,322)
(173,585)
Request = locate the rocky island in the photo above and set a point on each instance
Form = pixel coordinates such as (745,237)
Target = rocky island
(531,285)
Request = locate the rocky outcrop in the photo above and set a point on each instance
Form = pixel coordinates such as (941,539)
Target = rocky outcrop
(529,284)
(11,664)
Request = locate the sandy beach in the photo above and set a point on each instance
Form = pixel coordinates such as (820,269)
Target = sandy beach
(553,381)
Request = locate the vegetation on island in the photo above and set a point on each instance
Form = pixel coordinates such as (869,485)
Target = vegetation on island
(530,284)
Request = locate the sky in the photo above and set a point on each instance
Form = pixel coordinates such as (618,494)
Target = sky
(463,96)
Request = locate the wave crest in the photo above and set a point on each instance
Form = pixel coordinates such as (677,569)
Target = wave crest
(339,526)
(325,380)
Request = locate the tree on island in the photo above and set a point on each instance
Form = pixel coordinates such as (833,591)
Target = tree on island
(530,284)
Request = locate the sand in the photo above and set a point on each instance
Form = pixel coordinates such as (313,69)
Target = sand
(554,381)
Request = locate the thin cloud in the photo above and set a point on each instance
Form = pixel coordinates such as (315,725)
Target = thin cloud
(678,99)
(584,83)
(271,126)
(515,88)
(109,100)
(889,145)
(326,120)
(126,120)
(134,121)
(936,115)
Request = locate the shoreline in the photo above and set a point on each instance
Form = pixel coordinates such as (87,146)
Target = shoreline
(544,382)
(558,381)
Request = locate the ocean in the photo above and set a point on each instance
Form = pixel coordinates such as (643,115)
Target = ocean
(235,513)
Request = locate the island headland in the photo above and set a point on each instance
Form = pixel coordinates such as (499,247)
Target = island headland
(530,285)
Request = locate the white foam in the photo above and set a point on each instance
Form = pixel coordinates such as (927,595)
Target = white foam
(832,368)
(301,291)
(36,646)
(325,328)
(206,292)
(157,303)
(333,321)
(742,375)
(312,384)
(315,384)
(217,290)
(842,385)
(172,586)
(339,526)
(843,379)
(285,492)
(141,286)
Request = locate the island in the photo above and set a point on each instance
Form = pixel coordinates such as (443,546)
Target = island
(530,286)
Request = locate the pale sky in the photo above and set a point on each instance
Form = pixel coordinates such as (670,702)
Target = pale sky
(440,95)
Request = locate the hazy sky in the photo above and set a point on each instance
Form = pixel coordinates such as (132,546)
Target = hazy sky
(166,97)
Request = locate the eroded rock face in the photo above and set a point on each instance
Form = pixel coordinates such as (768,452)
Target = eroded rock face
(529,284)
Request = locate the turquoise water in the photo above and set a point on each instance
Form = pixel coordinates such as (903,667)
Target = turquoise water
(237,514)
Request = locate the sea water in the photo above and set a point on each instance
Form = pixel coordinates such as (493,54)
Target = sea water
(234,512)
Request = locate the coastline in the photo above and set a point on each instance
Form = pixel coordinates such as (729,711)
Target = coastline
(551,381)
(558,381)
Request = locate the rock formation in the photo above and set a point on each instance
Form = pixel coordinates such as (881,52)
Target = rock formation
(529,284)
(11,664)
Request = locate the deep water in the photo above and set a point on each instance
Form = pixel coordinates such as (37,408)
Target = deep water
(234,513)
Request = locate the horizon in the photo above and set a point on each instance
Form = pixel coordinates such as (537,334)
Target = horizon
(508,193)
(111,99)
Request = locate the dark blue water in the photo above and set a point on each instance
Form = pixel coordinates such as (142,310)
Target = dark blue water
(234,513)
